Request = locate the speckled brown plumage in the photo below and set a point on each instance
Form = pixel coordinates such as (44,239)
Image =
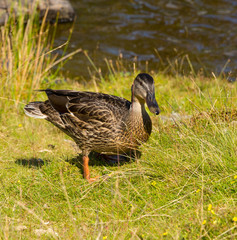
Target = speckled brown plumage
(100,122)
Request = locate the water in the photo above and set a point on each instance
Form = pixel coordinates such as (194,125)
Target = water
(206,30)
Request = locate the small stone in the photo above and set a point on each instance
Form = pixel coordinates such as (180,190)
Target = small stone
(20,227)
(233,124)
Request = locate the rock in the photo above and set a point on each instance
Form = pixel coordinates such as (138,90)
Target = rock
(174,117)
(48,231)
(3,16)
(234,124)
(20,227)
(61,9)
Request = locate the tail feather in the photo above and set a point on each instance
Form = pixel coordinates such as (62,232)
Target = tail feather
(32,110)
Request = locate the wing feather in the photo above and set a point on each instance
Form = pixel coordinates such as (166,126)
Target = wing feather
(102,108)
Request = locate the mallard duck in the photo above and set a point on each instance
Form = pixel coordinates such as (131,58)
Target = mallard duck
(100,122)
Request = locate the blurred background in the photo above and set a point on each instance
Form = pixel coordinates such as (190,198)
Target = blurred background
(156,34)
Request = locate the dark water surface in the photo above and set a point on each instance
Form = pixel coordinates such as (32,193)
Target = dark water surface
(206,30)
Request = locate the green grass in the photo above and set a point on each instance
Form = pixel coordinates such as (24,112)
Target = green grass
(182,187)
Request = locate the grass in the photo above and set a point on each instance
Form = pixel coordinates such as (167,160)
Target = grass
(27,58)
(182,187)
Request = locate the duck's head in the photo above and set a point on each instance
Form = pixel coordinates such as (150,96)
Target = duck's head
(143,90)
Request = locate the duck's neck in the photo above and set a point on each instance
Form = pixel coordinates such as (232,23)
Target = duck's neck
(137,106)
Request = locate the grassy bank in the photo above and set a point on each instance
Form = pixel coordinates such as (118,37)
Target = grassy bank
(182,187)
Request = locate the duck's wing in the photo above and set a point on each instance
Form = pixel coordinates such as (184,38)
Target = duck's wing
(89,106)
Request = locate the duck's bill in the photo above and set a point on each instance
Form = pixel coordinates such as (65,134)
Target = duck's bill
(152,103)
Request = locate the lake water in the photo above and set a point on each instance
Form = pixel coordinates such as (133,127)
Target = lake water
(155,31)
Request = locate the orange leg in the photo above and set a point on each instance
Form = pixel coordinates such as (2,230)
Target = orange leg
(86,172)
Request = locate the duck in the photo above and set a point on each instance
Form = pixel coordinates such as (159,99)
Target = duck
(100,122)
